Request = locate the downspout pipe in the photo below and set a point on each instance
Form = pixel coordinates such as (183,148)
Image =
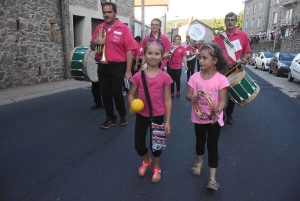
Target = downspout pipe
(63,21)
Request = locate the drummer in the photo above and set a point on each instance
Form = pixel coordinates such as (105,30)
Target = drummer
(234,55)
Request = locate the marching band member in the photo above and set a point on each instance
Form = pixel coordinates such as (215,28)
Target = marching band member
(176,56)
(240,50)
(191,50)
(157,35)
(119,45)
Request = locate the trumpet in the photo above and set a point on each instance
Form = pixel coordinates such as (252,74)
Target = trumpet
(100,49)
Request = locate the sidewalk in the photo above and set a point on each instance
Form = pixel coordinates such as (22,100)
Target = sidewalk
(17,94)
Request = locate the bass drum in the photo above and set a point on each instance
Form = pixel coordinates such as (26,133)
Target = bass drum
(82,65)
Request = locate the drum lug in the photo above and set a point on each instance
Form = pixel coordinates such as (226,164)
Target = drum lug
(78,61)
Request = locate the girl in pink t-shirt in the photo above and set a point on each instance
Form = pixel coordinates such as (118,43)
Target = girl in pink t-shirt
(175,65)
(159,87)
(210,82)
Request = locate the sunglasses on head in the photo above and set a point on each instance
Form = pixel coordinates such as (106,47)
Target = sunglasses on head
(151,40)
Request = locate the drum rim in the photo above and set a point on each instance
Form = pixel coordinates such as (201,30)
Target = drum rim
(70,58)
(251,97)
(239,79)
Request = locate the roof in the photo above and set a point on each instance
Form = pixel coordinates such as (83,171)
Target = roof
(138,3)
(198,22)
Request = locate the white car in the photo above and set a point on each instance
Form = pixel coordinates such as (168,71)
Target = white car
(263,60)
(294,70)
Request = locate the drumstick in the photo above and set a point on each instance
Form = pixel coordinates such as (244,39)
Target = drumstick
(233,68)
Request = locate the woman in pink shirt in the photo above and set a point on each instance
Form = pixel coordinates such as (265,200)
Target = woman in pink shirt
(156,34)
(175,64)
(158,84)
(212,83)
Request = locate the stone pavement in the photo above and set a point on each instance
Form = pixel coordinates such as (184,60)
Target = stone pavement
(16,94)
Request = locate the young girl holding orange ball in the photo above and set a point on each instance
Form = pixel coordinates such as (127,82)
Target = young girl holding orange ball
(159,87)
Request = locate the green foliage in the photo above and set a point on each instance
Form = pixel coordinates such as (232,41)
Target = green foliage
(239,24)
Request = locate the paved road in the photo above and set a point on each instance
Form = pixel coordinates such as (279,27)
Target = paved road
(51,148)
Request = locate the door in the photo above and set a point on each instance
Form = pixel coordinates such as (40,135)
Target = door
(258,60)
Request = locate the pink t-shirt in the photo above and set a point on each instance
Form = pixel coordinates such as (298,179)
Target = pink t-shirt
(210,87)
(119,40)
(156,88)
(237,36)
(176,59)
(166,45)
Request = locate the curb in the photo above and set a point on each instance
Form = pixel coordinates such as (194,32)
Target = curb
(46,93)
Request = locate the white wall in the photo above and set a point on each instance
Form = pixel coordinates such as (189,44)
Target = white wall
(88,14)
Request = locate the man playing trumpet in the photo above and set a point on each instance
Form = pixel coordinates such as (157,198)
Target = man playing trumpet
(115,60)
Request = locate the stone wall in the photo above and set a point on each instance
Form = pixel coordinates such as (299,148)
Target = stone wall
(30,40)
(287,44)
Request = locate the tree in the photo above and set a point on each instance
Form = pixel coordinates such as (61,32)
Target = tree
(239,24)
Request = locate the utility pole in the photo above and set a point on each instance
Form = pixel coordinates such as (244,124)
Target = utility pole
(143,19)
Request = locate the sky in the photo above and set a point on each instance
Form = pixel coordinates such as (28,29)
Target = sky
(203,9)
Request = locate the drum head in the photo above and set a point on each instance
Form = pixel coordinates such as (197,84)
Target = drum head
(196,31)
(91,66)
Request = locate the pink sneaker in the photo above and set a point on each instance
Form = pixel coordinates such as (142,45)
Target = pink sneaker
(177,94)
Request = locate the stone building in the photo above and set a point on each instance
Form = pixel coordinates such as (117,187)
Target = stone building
(256,16)
(264,15)
(36,37)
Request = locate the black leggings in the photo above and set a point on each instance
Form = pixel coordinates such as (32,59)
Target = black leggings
(141,126)
(175,75)
(230,106)
(191,68)
(212,133)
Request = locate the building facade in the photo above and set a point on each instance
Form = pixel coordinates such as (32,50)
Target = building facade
(265,15)
(256,16)
(36,37)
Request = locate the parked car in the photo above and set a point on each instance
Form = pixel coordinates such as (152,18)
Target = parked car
(294,70)
(281,62)
(263,60)
(252,59)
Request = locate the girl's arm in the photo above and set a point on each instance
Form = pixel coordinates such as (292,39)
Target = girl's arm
(190,96)
(131,96)
(168,105)
(222,101)
(221,105)
(185,62)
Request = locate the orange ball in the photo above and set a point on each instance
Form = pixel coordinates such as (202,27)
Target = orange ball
(137,105)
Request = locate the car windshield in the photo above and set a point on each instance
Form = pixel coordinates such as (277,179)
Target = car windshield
(287,56)
(268,54)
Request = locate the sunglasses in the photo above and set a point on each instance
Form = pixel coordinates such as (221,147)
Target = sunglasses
(151,40)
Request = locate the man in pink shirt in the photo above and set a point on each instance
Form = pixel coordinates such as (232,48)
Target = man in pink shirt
(240,50)
(119,47)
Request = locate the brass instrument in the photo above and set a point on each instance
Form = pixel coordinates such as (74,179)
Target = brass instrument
(192,55)
(100,49)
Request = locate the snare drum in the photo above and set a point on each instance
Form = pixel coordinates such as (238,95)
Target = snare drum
(242,88)
(82,65)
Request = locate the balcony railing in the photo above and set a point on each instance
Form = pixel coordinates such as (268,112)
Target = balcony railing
(286,22)
(289,2)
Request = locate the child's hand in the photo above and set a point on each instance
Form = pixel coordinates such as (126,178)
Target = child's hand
(194,98)
(131,112)
(167,128)
(215,116)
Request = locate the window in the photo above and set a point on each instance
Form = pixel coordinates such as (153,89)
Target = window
(252,22)
(258,22)
(275,18)
(260,5)
(254,8)
(289,13)
(277,2)
(247,11)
